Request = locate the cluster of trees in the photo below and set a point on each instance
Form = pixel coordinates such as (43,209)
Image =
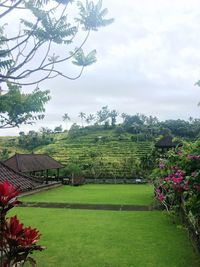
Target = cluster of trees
(27,52)
(144,127)
(34,139)
(104,116)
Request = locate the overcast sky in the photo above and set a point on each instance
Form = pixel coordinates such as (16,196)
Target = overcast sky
(148,62)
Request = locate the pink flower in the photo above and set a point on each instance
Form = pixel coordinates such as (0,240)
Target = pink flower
(161,166)
(193,157)
(157,190)
(161,197)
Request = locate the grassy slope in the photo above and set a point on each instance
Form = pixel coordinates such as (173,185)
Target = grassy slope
(10,143)
(97,194)
(112,151)
(79,149)
(76,238)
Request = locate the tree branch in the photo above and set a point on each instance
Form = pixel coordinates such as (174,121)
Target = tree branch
(10,8)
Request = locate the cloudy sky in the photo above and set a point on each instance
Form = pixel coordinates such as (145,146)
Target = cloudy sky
(148,62)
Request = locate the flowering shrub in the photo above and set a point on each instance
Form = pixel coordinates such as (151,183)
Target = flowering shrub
(177,184)
(16,241)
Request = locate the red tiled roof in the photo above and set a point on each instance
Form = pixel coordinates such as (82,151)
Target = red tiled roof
(32,162)
(20,180)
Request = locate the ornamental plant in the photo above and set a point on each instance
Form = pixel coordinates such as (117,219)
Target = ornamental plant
(177,183)
(16,241)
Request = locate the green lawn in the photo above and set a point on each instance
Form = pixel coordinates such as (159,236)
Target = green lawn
(97,194)
(80,238)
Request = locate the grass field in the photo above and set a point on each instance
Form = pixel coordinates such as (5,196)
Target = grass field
(97,194)
(77,238)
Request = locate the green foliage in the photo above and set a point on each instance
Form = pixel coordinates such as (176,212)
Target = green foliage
(74,131)
(92,16)
(34,139)
(48,25)
(17,108)
(103,114)
(73,170)
(177,183)
(99,153)
(4,154)
(80,59)
(49,29)
(58,129)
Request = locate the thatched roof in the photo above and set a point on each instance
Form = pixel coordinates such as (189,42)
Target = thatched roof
(166,142)
(20,180)
(32,162)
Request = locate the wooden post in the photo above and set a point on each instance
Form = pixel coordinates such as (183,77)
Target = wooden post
(58,174)
(47,174)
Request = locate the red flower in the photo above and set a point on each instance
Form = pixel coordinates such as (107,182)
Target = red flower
(8,194)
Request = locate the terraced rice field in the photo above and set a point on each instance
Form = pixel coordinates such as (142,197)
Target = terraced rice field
(111,154)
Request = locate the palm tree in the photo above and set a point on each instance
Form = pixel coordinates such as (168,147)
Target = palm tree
(90,118)
(66,118)
(82,115)
(124,116)
(113,115)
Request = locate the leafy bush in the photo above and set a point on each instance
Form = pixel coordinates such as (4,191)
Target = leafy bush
(177,184)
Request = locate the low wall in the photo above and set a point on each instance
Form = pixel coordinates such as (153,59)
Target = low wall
(114,181)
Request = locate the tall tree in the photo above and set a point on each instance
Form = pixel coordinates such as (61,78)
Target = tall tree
(123,116)
(113,115)
(82,115)
(66,118)
(90,118)
(103,114)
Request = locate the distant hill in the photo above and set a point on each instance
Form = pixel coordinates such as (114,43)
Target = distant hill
(97,153)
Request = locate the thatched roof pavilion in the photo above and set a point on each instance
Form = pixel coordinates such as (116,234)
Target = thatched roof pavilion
(24,182)
(166,143)
(31,163)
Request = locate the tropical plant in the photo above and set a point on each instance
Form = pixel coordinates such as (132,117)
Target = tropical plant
(16,241)
(66,118)
(90,118)
(113,115)
(177,184)
(82,115)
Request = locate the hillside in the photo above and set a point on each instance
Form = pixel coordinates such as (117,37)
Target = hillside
(95,154)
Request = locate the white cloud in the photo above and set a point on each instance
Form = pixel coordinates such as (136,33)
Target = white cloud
(148,62)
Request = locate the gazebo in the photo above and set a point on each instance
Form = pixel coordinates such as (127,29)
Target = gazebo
(166,143)
(33,163)
(20,180)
